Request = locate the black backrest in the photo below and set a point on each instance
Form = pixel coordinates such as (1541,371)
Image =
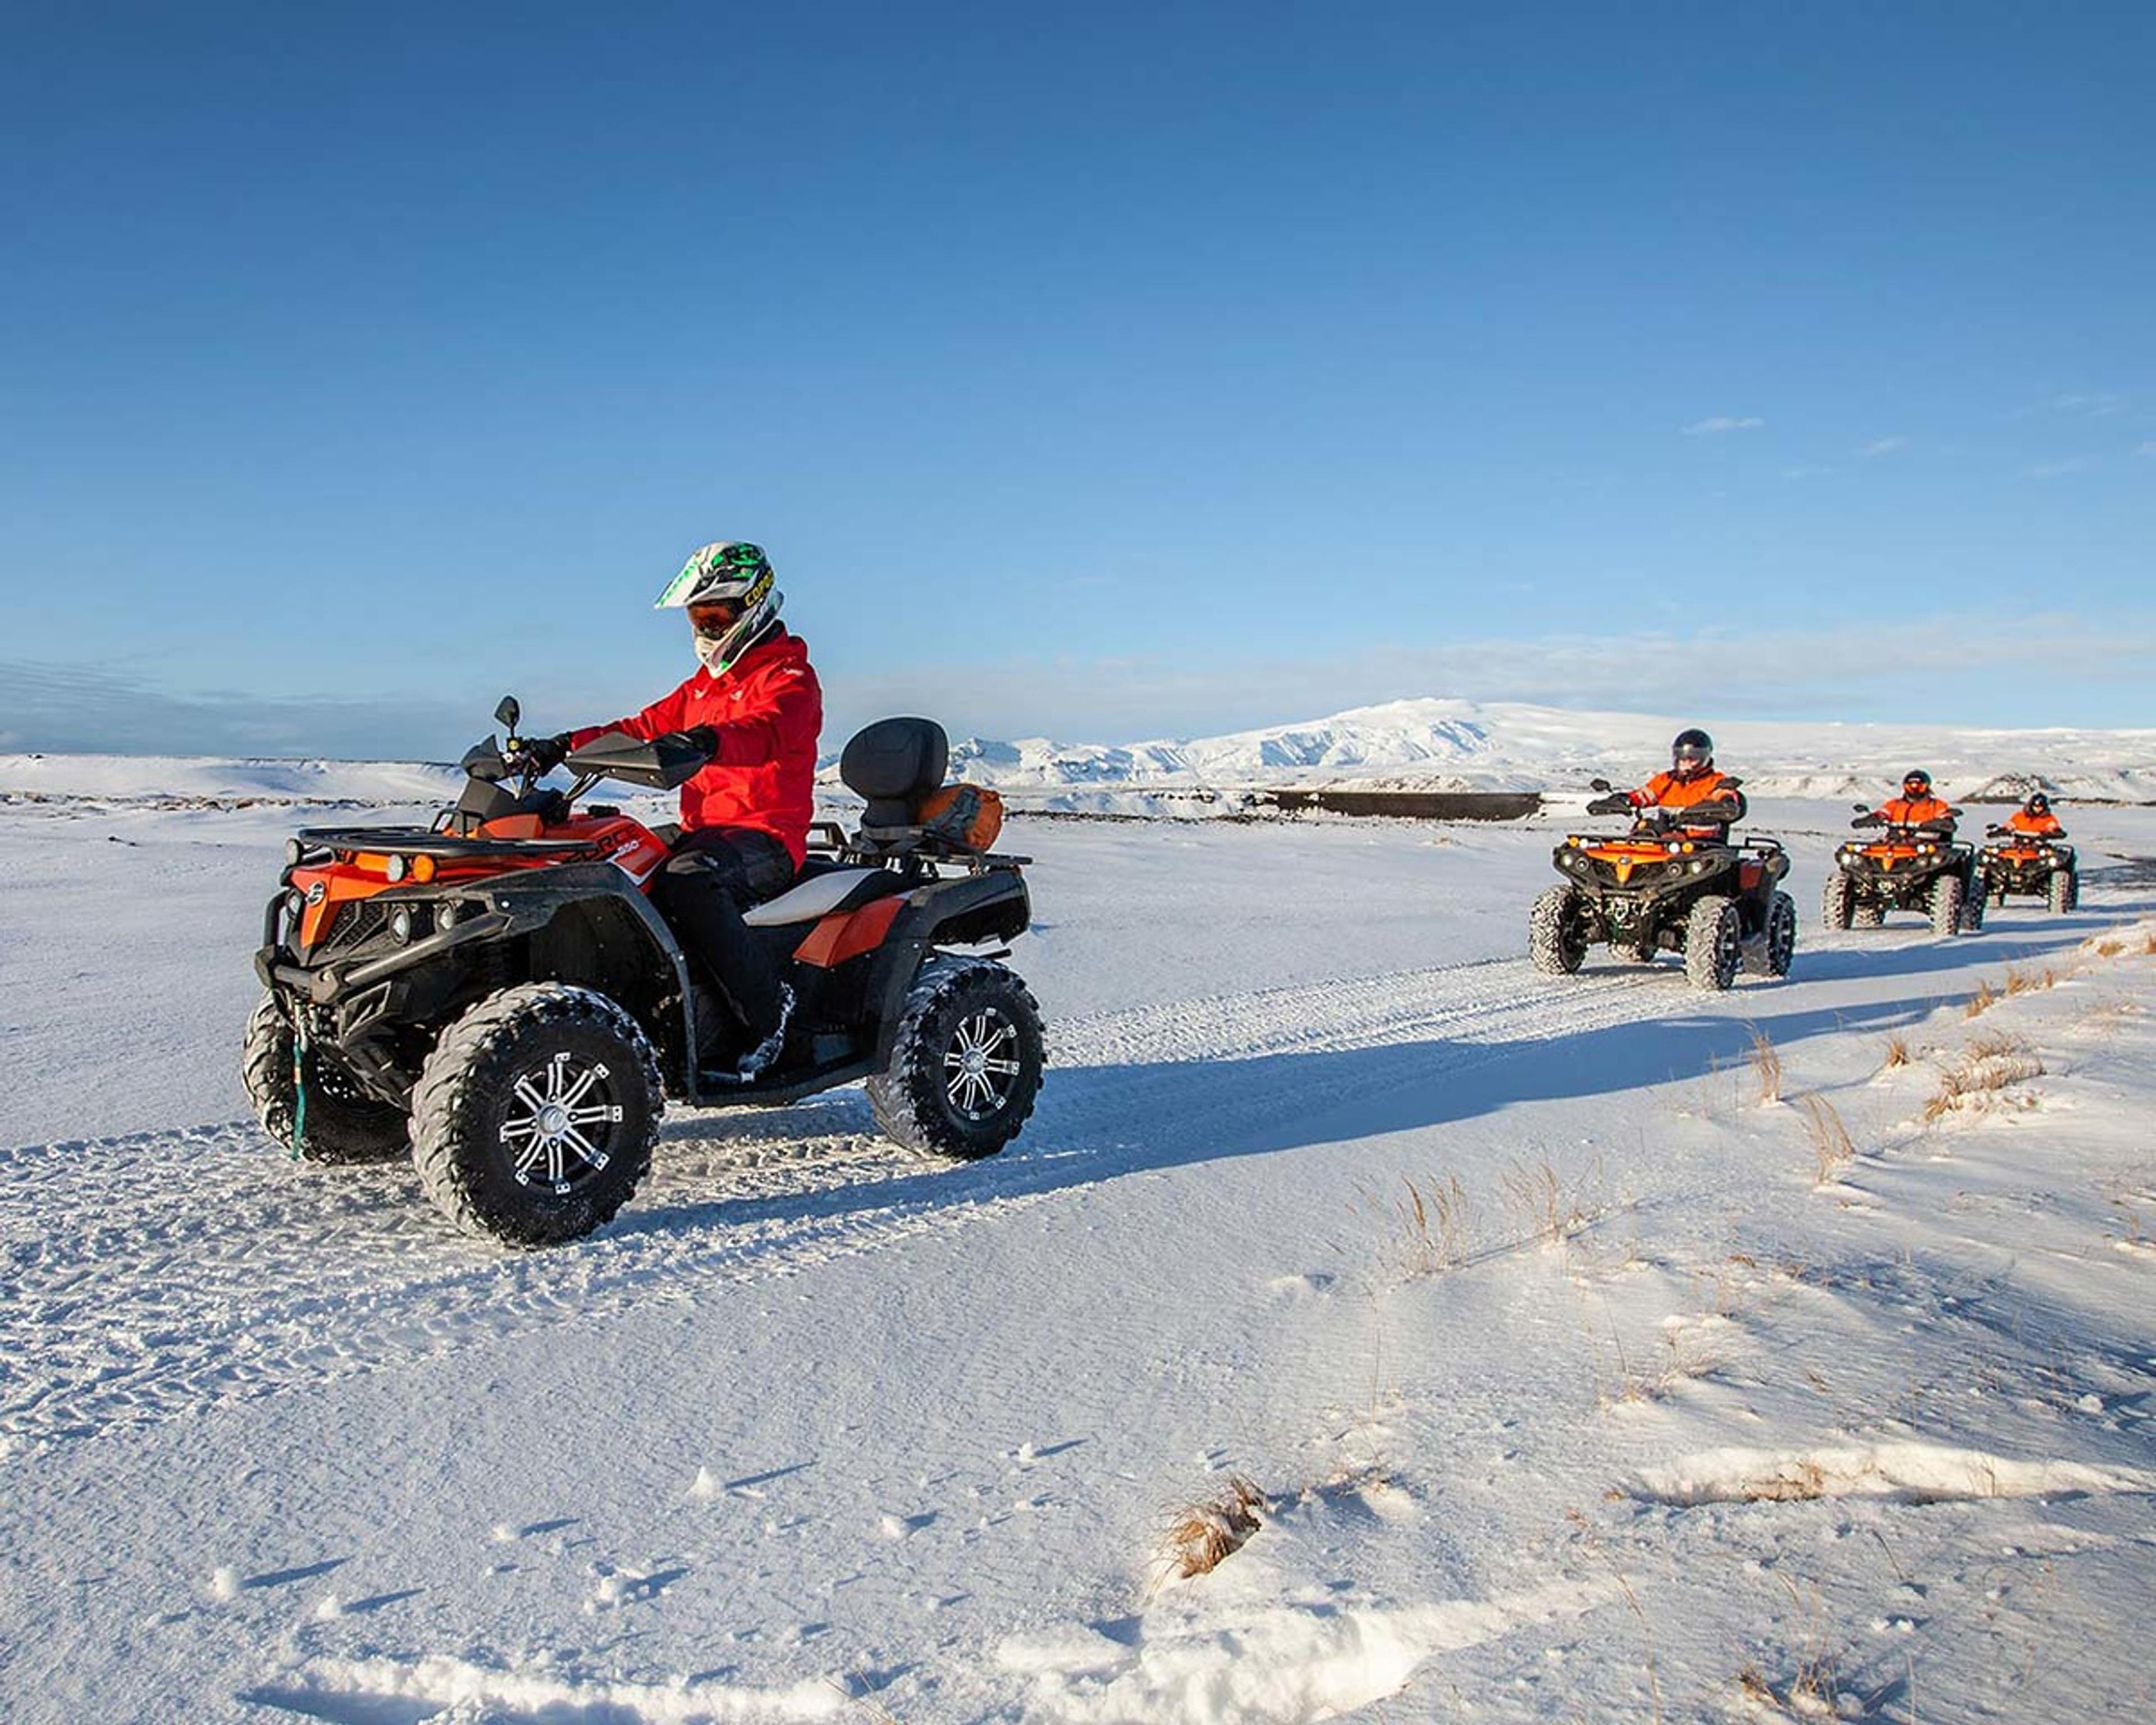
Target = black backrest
(894,763)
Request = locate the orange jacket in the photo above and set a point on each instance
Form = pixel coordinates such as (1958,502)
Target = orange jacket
(768,709)
(1914,811)
(2038,826)
(1666,790)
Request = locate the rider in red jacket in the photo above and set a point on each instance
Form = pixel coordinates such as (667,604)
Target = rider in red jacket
(755,701)
(764,710)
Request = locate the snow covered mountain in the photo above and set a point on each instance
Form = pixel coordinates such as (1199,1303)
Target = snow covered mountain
(1430,744)
(1437,744)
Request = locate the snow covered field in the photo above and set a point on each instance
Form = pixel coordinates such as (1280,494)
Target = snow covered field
(1667,1405)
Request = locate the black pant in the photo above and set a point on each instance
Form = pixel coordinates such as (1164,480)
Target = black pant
(715,874)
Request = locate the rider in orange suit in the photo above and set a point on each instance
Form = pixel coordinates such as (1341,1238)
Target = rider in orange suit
(2033,819)
(1916,807)
(1691,786)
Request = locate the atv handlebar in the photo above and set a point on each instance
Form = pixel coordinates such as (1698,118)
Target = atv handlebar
(665,763)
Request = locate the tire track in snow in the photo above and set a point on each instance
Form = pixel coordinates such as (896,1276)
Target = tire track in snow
(151,1276)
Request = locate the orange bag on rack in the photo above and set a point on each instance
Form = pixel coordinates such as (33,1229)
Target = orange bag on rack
(967,815)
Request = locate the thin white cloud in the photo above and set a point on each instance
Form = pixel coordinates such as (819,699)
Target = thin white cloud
(2100,402)
(2056,470)
(1831,672)
(1720,425)
(1883,446)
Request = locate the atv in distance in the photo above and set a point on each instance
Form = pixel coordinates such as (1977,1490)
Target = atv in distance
(1907,868)
(499,993)
(1664,888)
(2027,863)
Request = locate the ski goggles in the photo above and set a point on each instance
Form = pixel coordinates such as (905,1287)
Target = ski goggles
(1917,781)
(713,618)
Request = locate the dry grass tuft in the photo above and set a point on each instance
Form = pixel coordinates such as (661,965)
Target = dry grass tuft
(1898,1054)
(1203,1536)
(2029,982)
(1766,1066)
(1536,1195)
(2148,945)
(1433,1227)
(1832,1147)
(2105,948)
(1981,1002)
(1987,1064)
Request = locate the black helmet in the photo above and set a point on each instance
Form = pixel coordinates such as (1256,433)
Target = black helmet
(2038,803)
(1693,751)
(1917,781)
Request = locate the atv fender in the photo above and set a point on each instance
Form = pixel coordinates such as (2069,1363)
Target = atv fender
(963,912)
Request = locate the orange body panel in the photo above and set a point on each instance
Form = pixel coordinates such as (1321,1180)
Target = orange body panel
(630,845)
(848,934)
(1624,856)
(338,885)
(1887,855)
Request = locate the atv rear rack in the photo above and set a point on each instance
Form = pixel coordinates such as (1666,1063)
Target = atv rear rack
(424,841)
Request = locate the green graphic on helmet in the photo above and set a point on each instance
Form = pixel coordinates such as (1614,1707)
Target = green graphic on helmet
(726,569)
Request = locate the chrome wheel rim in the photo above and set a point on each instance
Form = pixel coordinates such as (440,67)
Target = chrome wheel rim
(981,1065)
(559,1128)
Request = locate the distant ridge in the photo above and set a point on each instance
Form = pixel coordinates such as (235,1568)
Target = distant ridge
(1430,744)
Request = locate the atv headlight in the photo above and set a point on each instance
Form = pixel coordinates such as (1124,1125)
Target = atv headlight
(400,924)
(446,914)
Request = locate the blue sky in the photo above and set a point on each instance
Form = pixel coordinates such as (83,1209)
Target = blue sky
(1102,372)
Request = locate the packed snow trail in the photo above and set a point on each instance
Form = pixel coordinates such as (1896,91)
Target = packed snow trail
(151,1274)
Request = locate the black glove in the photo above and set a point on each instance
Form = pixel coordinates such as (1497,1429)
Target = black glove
(1616,804)
(1869,820)
(539,755)
(704,737)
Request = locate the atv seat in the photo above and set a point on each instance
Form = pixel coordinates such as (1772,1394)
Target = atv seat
(894,766)
(819,894)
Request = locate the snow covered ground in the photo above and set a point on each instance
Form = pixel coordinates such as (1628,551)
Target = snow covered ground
(1578,1381)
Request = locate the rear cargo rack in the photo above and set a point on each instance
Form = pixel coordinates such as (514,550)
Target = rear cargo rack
(420,841)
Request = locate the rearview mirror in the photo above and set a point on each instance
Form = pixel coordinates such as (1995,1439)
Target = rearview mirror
(1861,807)
(508,713)
(1600,785)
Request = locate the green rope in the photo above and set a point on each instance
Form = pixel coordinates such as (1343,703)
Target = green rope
(299,1086)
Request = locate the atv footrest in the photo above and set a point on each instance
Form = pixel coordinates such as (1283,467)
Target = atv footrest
(716,1088)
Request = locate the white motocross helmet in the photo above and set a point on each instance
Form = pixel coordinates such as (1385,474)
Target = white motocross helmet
(734,578)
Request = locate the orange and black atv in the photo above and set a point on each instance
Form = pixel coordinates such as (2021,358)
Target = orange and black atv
(1667,886)
(2030,864)
(498,993)
(1907,868)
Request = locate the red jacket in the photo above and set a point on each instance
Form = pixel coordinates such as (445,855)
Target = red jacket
(767,708)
